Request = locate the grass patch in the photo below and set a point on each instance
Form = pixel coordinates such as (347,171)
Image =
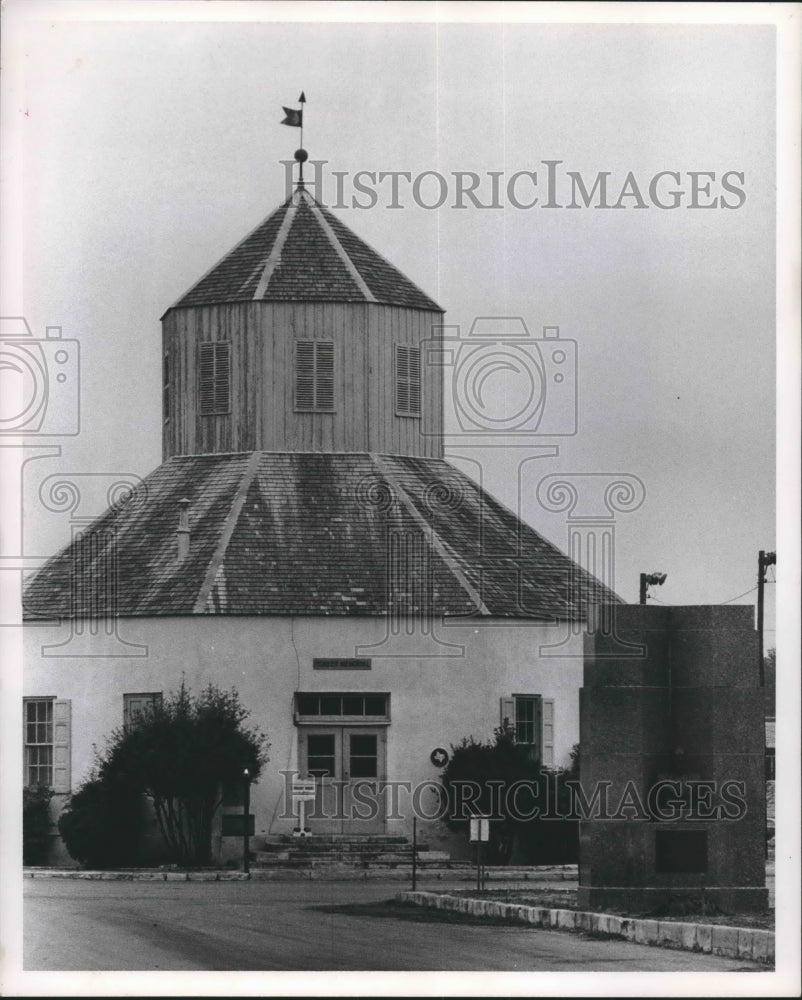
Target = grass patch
(398,910)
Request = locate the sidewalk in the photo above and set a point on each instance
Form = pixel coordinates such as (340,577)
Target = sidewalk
(552,874)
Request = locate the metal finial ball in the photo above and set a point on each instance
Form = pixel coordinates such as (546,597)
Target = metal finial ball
(301,155)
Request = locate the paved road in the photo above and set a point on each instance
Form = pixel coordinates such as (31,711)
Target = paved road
(244,926)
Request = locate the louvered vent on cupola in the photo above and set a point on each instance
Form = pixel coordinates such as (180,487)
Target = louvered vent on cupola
(407,380)
(314,376)
(214,378)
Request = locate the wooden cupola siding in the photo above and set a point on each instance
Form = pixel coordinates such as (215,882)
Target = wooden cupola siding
(263,412)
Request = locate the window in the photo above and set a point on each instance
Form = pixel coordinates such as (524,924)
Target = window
(214,378)
(320,755)
(533,719)
(314,376)
(39,741)
(135,704)
(364,755)
(374,706)
(46,736)
(771,768)
(527,719)
(320,663)
(166,388)
(233,825)
(407,380)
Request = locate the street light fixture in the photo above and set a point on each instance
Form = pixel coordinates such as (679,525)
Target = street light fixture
(650,580)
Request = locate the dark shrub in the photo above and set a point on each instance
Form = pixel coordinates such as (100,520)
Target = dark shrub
(35,824)
(103,825)
(180,753)
(537,825)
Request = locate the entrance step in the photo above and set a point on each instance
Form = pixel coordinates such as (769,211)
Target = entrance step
(342,838)
(344,852)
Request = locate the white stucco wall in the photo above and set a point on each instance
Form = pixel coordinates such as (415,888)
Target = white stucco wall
(437,696)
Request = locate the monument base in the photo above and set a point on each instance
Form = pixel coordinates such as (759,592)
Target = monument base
(676,900)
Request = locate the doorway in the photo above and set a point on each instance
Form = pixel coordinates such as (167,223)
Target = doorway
(349,764)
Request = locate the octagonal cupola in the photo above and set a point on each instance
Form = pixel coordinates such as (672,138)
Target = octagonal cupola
(302,339)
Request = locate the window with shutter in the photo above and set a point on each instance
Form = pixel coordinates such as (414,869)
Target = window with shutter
(166,388)
(46,743)
(407,380)
(314,376)
(135,704)
(214,378)
(533,719)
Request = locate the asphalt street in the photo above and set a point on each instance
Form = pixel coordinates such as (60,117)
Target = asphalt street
(80,926)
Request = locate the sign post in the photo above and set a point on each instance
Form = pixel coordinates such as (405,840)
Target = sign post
(303,791)
(480,834)
(414,852)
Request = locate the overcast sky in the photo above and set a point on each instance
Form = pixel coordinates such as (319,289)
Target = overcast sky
(151,149)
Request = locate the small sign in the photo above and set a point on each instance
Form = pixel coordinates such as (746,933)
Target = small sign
(480,829)
(234,825)
(303,789)
(439,757)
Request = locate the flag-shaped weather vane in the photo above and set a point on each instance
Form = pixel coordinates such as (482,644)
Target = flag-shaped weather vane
(295,118)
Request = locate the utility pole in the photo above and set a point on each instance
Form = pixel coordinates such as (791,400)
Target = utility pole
(764,560)
(650,579)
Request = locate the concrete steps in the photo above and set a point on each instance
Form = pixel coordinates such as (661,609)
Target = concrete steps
(344,852)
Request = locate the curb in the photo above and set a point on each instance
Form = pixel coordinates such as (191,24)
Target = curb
(135,876)
(752,944)
(567,873)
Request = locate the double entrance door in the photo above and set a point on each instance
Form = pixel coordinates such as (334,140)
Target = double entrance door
(349,764)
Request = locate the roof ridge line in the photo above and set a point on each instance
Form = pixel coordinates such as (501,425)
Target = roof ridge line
(251,467)
(521,522)
(390,264)
(274,257)
(220,260)
(340,250)
(444,550)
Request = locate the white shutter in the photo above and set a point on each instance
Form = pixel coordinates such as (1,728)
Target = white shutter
(61,746)
(547,737)
(507,706)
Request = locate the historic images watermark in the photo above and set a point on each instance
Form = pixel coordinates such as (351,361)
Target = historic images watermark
(507,388)
(667,800)
(93,571)
(506,385)
(40,381)
(40,403)
(550,185)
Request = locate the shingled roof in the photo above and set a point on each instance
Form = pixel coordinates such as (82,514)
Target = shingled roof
(303,253)
(312,534)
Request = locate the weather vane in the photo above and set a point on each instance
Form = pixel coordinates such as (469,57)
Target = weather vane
(295,118)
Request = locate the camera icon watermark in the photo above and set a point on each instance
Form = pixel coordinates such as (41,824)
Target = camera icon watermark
(507,386)
(411,548)
(40,380)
